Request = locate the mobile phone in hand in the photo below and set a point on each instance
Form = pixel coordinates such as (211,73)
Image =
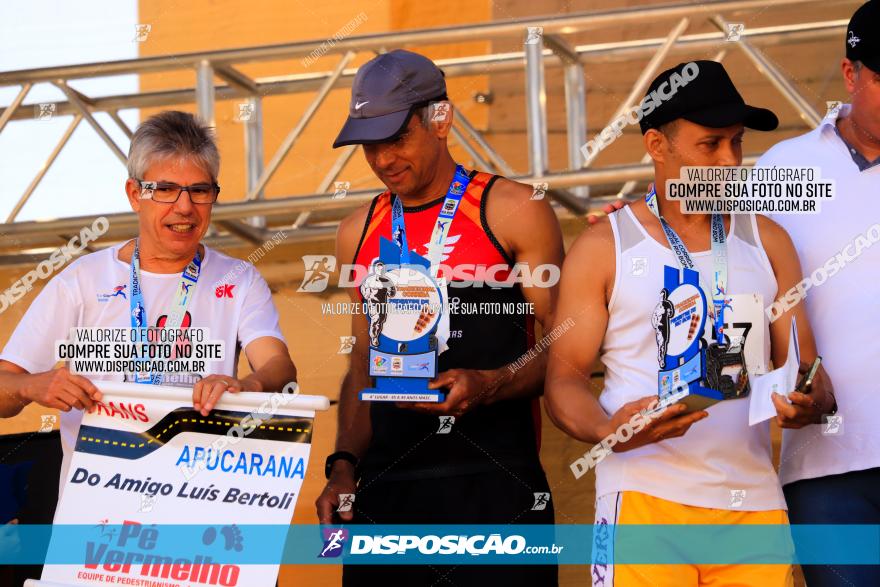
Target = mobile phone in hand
(806,381)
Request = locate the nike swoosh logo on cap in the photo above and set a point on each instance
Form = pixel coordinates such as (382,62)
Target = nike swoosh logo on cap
(357,105)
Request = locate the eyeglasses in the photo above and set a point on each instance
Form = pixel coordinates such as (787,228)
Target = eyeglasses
(168,193)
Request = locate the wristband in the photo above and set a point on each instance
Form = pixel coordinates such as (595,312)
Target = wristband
(339,455)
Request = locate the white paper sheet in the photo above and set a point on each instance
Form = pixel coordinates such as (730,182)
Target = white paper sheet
(781,380)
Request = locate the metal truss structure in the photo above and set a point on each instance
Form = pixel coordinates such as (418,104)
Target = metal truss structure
(252,217)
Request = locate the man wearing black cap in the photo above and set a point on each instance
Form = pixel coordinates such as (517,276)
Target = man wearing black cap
(415,464)
(831,472)
(631,300)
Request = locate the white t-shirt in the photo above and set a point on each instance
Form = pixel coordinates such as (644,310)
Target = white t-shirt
(231,301)
(844,310)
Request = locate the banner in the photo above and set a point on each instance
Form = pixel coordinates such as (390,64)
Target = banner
(460,544)
(145,458)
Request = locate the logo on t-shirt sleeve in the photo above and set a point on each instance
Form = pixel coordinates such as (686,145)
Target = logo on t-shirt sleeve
(224,291)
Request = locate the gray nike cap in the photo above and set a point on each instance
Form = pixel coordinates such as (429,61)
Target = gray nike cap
(384,93)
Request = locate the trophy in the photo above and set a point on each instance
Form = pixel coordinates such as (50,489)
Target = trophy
(678,321)
(403,304)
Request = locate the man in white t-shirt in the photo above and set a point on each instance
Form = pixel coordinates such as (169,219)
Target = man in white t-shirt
(831,472)
(173,165)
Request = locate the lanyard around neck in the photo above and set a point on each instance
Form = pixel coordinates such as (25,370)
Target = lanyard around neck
(719,259)
(175,314)
(441,227)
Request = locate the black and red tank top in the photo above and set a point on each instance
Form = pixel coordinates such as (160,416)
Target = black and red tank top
(405,443)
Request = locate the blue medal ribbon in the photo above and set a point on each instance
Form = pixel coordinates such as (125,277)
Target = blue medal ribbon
(138,315)
(719,259)
(441,227)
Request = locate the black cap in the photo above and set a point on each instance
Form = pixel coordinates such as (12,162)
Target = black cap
(384,93)
(703,93)
(862,37)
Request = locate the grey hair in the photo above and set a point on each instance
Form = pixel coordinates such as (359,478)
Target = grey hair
(857,66)
(172,134)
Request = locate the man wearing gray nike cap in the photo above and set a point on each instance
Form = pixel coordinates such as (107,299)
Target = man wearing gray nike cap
(472,458)
(385,91)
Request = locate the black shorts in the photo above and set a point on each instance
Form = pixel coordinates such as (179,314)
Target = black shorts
(486,498)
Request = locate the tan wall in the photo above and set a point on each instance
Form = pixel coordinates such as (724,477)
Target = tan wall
(200,26)
(813,67)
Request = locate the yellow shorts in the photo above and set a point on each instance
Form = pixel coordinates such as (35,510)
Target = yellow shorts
(631,507)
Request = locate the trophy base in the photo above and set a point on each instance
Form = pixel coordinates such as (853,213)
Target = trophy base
(378,395)
(695,401)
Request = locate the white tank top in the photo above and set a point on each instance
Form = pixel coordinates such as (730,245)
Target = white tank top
(721,462)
